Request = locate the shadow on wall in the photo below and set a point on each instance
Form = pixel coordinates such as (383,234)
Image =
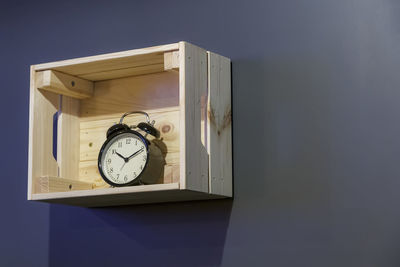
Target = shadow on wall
(281,127)
(174,234)
(184,234)
(249,133)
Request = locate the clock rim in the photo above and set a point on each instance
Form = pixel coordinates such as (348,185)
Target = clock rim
(135,181)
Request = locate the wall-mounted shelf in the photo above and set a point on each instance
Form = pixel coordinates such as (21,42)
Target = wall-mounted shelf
(186,89)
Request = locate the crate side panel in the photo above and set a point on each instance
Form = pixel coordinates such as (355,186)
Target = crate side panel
(220,124)
(43,106)
(193,85)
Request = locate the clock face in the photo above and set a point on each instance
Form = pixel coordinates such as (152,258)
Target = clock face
(123,158)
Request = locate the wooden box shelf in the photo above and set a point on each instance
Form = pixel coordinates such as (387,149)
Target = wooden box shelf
(184,88)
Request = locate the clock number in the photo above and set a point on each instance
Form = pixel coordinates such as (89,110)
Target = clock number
(117,175)
(113,151)
(141,167)
(144,157)
(108,161)
(119,144)
(111,170)
(126,178)
(128,141)
(134,175)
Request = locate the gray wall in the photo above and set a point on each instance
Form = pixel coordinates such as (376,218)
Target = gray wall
(316,135)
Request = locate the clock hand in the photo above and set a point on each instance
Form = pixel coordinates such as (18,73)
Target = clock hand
(125,159)
(134,154)
(131,156)
(123,165)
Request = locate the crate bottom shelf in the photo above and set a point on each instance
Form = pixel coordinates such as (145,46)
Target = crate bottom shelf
(130,195)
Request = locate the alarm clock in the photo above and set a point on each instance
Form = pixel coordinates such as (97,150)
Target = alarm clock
(127,157)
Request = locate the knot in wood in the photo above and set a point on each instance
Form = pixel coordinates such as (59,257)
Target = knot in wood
(166,128)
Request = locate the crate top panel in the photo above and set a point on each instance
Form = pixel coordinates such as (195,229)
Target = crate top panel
(113,65)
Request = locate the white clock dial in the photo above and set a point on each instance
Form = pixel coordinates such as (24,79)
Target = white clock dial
(124,158)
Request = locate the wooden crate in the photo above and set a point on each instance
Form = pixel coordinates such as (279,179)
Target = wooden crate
(186,89)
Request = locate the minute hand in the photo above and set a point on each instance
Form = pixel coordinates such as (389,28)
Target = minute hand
(134,154)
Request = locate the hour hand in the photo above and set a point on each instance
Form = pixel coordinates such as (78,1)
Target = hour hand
(125,159)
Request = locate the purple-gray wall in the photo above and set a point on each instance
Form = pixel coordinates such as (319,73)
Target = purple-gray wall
(316,99)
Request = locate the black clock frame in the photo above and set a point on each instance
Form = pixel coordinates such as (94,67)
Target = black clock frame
(114,131)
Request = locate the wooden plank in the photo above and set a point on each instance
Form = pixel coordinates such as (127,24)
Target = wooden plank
(108,191)
(89,172)
(131,195)
(136,61)
(68,142)
(125,72)
(93,135)
(171,61)
(110,61)
(157,94)
(43,105)
(171,174)
(219,124)
(112,98)
(64,84)
(193,84)
(48,184)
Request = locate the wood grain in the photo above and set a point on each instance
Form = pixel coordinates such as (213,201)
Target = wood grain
(48,184)
(125,72)
(220,124)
